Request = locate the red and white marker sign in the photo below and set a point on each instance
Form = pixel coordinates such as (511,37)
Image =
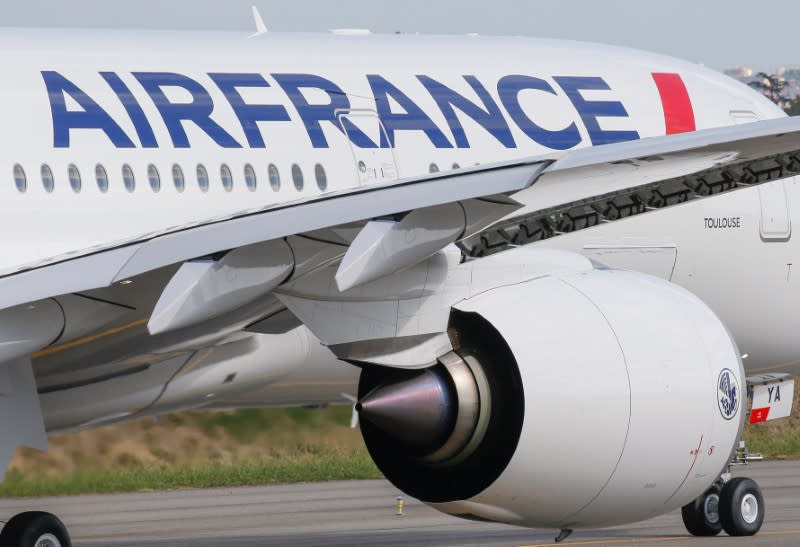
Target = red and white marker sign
(771,401)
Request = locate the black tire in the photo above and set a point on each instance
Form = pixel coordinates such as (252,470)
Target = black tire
(27,529)
(741,507)
(701,516)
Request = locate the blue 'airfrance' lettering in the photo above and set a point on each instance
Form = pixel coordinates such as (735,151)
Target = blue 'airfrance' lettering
(413,119)
(198,111)
(91,115)
(509,88)
(143,129)
(488,116)
(396,110)
(249,115)
(313,114)
(591,110)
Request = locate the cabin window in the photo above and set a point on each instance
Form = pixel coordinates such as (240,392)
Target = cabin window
(433,168)
(177,178)
(250,177)
(128,179)
(102,178)
(322,178)
(202,178)
(48,182)
(297,177)
(19,179)
(274,177)
(154,178)
(227,177)
(74,178)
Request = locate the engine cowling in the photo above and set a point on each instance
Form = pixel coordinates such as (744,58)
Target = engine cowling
(588,399)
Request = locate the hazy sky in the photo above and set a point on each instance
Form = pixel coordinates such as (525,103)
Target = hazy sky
(718,33)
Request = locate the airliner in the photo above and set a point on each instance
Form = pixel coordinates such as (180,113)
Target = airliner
(548,275)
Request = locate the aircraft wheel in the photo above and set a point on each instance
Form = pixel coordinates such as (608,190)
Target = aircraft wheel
(701,516)
(741,507)
(34,529)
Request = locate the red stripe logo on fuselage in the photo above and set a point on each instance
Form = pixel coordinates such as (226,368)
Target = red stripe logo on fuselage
(678,111)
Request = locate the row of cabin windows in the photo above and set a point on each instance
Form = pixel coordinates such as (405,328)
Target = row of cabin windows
(178,179)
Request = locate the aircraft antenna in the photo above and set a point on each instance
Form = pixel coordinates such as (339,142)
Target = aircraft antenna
(261,28)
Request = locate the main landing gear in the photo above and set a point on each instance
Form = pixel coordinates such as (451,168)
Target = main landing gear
(34,529)
(735,505)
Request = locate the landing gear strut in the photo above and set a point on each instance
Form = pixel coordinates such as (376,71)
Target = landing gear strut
(34,529)
(734,505)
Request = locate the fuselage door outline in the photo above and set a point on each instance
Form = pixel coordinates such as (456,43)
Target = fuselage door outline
(372,164)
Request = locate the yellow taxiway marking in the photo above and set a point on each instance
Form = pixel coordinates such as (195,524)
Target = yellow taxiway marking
(86,339)
(618,541)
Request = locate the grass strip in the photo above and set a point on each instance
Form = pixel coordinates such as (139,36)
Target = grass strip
(783,445)
(239,448)
(326,466)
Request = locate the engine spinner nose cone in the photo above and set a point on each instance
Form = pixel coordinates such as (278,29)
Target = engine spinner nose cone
(418,411)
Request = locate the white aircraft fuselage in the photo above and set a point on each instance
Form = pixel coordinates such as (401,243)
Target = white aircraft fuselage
(117,139)
(304,102)
(153,98)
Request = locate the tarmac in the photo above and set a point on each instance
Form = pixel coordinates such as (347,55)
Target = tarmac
(364,513)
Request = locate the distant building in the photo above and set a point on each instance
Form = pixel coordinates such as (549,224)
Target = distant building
(783,87)
(789,72)
(791,91)
(740,72)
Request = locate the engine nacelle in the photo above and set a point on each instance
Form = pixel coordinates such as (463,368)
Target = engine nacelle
(576,400)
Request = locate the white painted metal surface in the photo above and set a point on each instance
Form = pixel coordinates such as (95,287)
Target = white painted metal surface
(621,417)
(398,59)
(652,260)
(414,302)
(371,164)
(776,224)
(25,329)
(386,246)
(772,400)
(203,289)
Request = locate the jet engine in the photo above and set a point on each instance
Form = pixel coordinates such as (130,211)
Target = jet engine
(587,399)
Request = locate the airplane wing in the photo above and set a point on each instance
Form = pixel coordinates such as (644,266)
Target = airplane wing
(204,271)
(607,183)
(100,267)
(567,192)
(563,192)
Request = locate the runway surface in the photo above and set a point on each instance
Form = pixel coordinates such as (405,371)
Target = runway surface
(363,513)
